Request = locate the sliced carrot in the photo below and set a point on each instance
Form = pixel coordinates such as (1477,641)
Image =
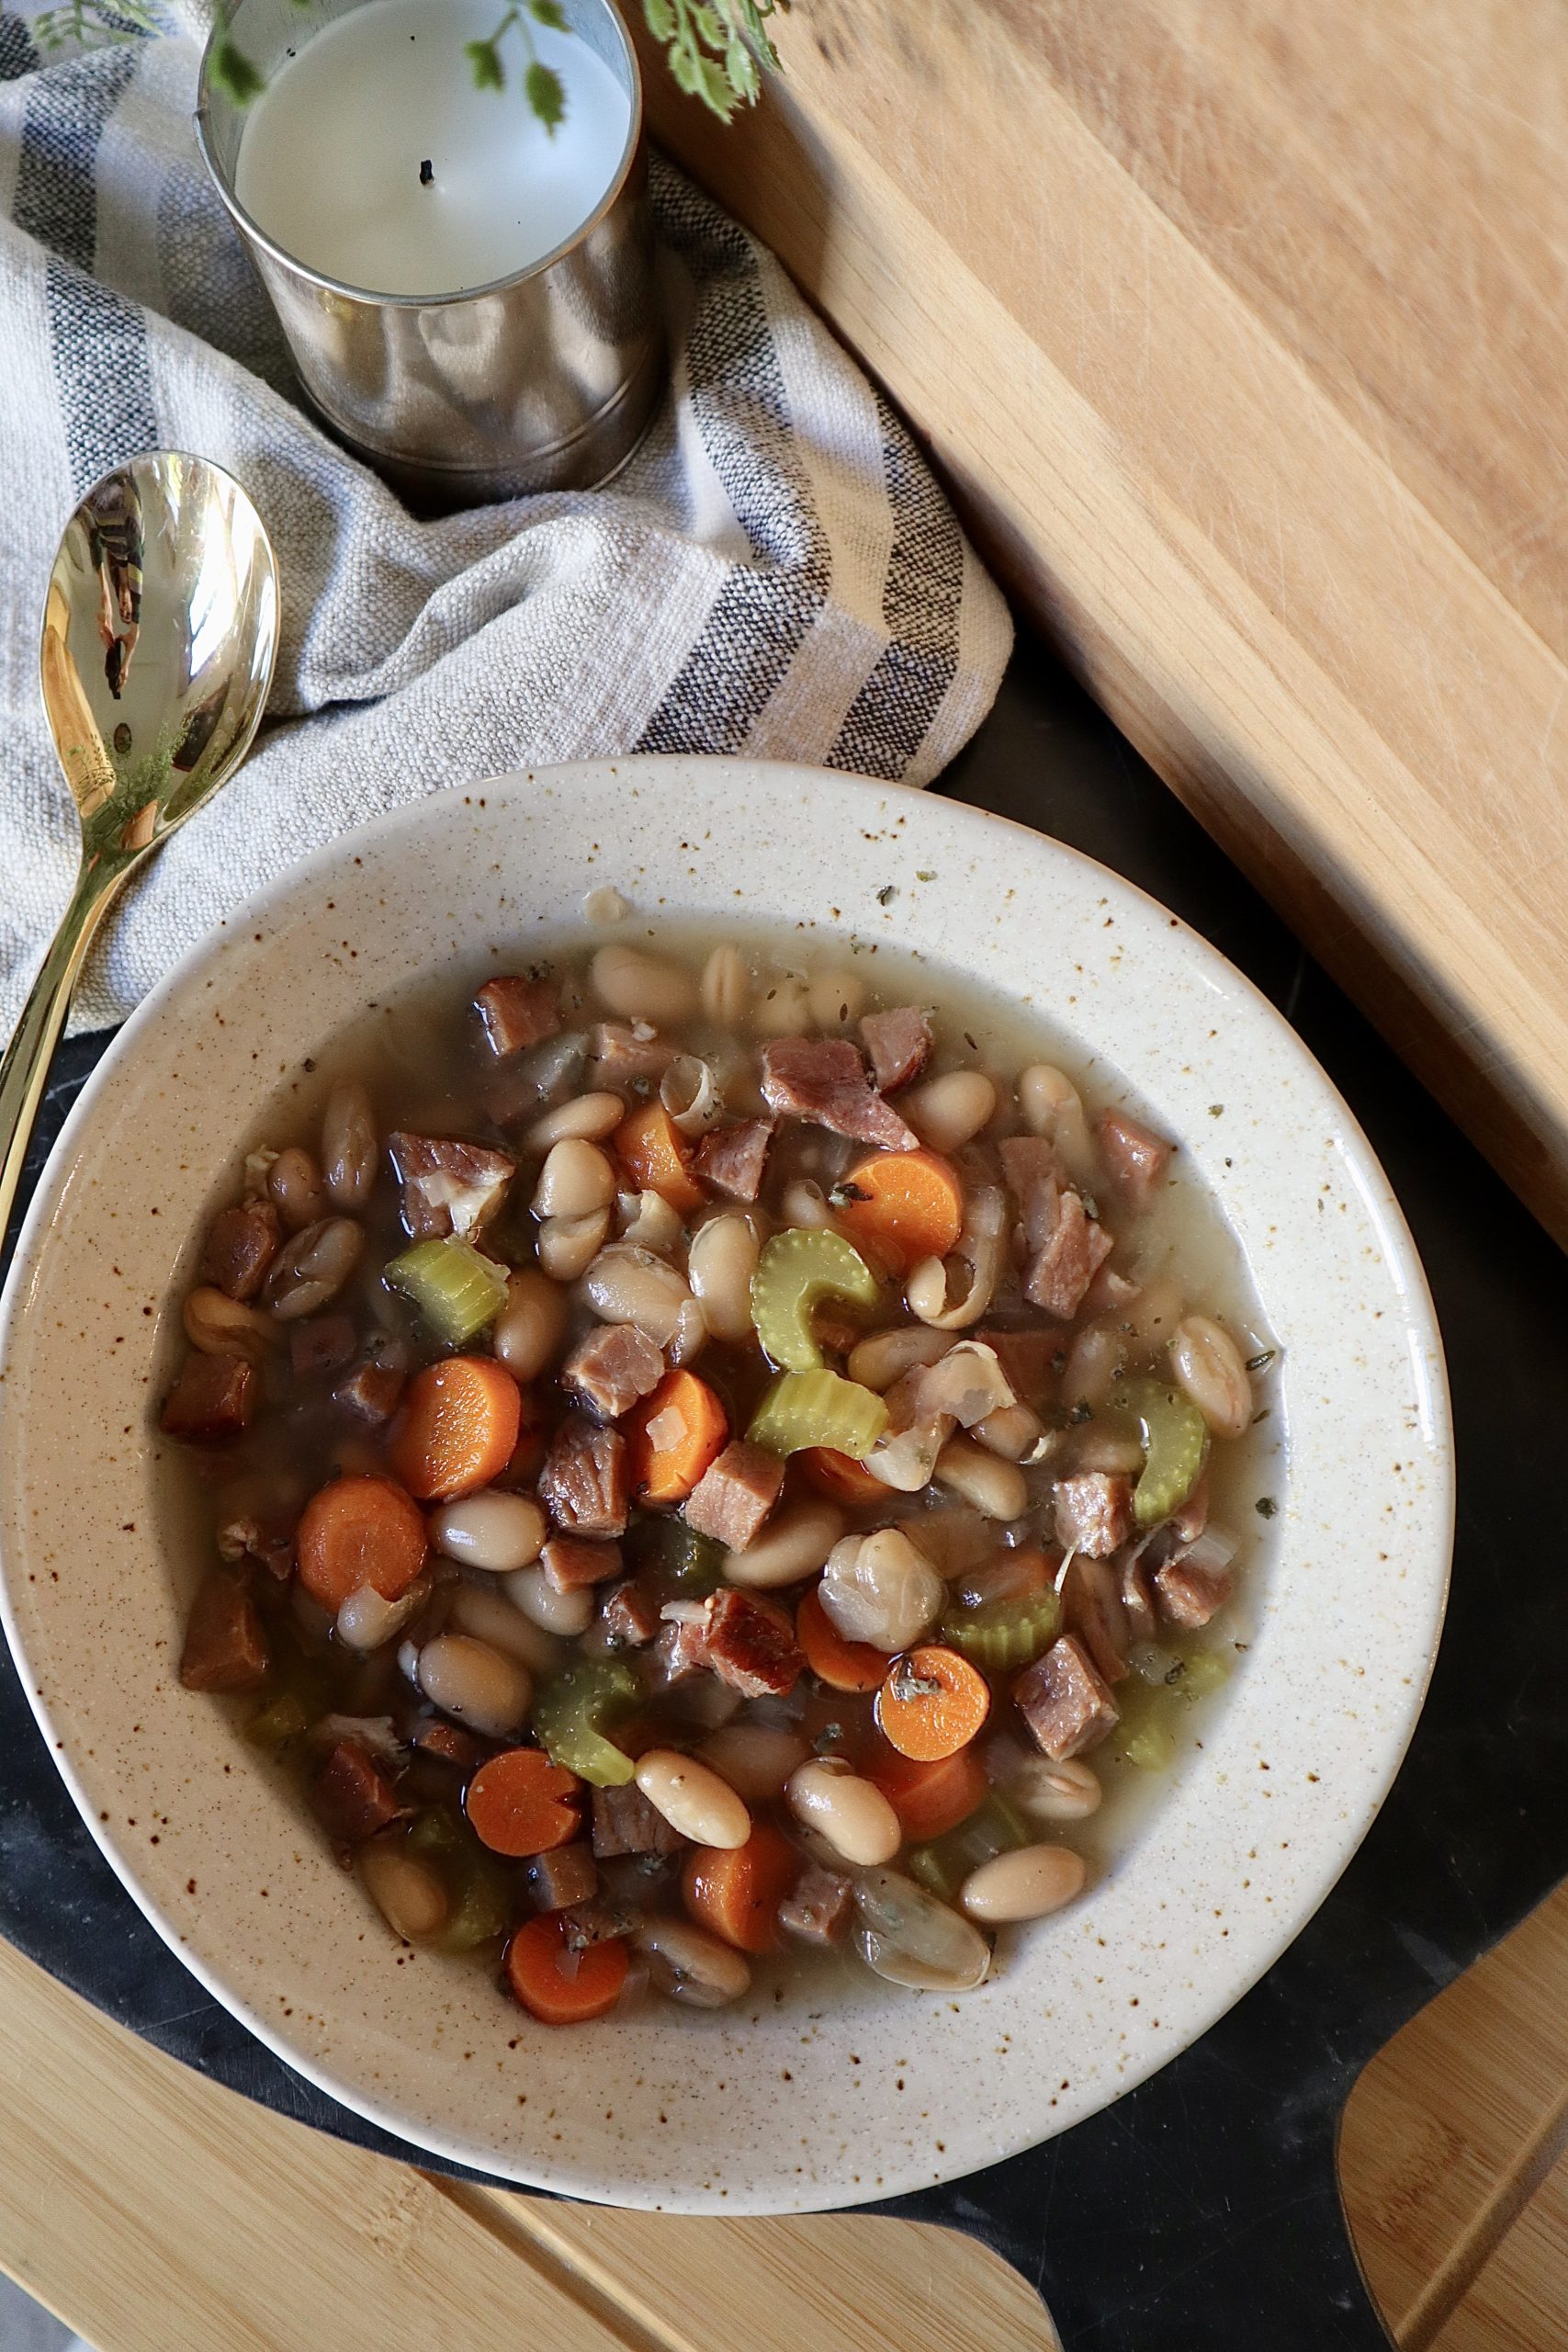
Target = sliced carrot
(651,1147)
(842,1666)
(359,1532)
(459,1428)
(521,1803)
(839,1477)
(933,1703)
(909,1205)
(674,1435)
(558,1985)
(736,1891)
(929,1799)
(529,1451)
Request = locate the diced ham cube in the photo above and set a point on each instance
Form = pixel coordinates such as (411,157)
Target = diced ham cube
(211,1401)
(1029,1360)
(1134,1158)
(1067,1707)
(680,1648)
(268,1541)
(371,1392)
(226,1644)
(448,1186)
(565,1875)
(732,1159)
(449,1742)
(611,1368)
(820,1908)
(622,1051)
(1091,1608)
(321,1343)
(751,1644)
(599,1921)
(823,1079)
(735,1494)
(352,1797)
(897,1044)
(629,1615)
(1094,1512)
(569,1564)
(1062,1270)
(241,1245)
(1189,1594)
(585,1480)
(1034,1178)
(518,1012)
(624,1823)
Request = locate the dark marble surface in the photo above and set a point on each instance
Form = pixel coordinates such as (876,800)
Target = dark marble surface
(1200,2213)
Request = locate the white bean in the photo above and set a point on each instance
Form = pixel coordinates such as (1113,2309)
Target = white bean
(687,1091)
(312,1268)
(1053,1107)
(589,1118)
(692,1798)
(719,1265)
(835,996)
(640,988)
(785,1009)
(805,1205)
(1207,1364)
(349,1153)
(488,1530)
(1093,1360)
(1068,1790)
(575,1179)
(407,1893)
(468,1679)
(726,987)
(556,1612)
(626,1285)
(755,1758)
(527,1333)
(648,1221)
(886,1356)
(1024,1884)
(366,1620)
(796,1541)
(993,1486)
(220,1326)
(294,1182)
(690,1336)
(881,1588)
(950,1111)
(488,1611)
(691,1966)
(851,1813)
(1012,1431)
(568,1244)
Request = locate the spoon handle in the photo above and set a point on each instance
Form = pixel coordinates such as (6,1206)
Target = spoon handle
(24,1073)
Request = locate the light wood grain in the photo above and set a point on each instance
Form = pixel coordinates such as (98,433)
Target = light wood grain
(1239,330)
(158,2212)
(1450,2154)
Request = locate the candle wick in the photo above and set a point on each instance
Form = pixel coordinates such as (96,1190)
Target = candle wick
(426,173)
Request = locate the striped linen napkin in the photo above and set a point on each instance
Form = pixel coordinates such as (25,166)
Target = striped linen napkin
(776,572)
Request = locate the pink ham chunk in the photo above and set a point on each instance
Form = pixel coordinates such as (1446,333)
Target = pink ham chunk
(585,1481)
(732,1159)
(823,1079)
(1066,1704)
(1134,1158)
(611,1368)
(448,1186)
(623,1051)
(897,1044)
(1094,1512)
(1060,1273)
(751,1644)
(735,1494)
(1188,1593)
(518,1012)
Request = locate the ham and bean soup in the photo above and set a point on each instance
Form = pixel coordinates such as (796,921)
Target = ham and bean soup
(707,1464)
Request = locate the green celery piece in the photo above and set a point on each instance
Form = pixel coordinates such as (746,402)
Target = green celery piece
(566,1713)
(279,1719)
(796,1273)
(804,1408)
(1144,1736)
(475,1882)
(999,1636)
(1202,1671)
(456,1289)
(1176,1438)
(693,1563)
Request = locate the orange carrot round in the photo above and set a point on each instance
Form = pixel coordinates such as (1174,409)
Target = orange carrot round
(929,1799)
(909,1206)
(933,1703)
(840,1478)
(521,1803)
(558,1985)
(674,1435)
(842,1666)
(736,1891)
(653,1149)
(356,1532)
(459,1427)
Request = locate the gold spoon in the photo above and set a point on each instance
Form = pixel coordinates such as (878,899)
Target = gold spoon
(160,632)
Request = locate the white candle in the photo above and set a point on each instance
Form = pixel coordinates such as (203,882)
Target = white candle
(330,160)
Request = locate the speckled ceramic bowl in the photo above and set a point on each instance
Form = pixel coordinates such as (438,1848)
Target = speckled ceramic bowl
(728,2110)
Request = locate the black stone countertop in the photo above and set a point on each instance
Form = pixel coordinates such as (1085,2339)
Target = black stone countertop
(1200,2212)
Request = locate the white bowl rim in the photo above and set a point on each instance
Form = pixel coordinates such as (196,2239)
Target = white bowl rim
(1429,1567)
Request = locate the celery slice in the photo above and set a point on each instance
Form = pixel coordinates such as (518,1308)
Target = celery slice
(456,1289)
(566,1715)
(475,1882)
(1174,1438)
(279,1719)
(804,1408)
(796,1273)
(999,1636)
(1202,1671)
(1145,1736)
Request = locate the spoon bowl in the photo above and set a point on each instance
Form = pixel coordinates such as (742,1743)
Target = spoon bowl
(160,636)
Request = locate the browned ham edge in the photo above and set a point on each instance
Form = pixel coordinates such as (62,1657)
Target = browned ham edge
(823,1079)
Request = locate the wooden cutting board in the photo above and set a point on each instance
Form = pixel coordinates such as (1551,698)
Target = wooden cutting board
(1241,328)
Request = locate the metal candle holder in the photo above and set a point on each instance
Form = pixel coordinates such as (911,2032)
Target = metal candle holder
(546,380)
